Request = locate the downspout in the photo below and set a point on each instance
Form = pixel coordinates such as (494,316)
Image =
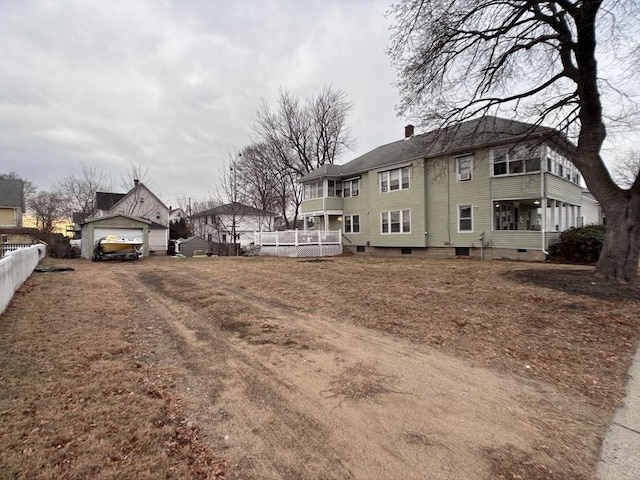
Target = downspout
(448,207)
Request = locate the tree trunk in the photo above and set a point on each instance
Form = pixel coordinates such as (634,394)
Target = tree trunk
(620,254)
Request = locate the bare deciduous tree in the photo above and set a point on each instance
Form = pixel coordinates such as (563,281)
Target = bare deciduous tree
(302,136)
(257,177)
(627,169)
(79,190)
(458,59)
(48,209)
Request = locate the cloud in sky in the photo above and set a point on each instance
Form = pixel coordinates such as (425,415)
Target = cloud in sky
(175,85)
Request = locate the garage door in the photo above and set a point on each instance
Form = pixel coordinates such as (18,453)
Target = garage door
(98,233)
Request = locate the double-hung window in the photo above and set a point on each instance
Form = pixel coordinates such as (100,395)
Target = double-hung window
(464,165)
(352,224)
(465,218)
(350,188)
(396,179)
(396,221)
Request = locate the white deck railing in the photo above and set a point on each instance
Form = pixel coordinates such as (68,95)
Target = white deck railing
(298,238)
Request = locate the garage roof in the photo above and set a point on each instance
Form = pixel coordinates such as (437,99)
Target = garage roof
(113,215)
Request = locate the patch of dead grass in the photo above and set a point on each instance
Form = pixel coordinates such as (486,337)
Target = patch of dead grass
(76,403)
(358,382)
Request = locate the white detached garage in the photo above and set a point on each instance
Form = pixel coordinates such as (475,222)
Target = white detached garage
(119,224)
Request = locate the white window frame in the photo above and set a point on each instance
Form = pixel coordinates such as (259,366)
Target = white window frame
(312,193)
(468,176)
(515,157)
(460,218)
(401,216)
(351,223)
(384,178)
(351,182)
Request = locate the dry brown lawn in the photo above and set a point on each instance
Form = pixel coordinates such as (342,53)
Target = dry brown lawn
(347,367)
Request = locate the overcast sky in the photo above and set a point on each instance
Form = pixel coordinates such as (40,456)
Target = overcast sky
(174,85)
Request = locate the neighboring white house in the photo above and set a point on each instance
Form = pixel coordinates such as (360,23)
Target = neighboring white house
(591,210)
(219,224)
(176,214)
(143,203)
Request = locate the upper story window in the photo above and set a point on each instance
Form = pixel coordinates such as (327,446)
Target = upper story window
(313,190)
(334,188)
(351,188)
(464,166)
(396,179)
(559,165)
(515,160)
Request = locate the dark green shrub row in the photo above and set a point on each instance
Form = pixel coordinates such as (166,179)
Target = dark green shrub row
(580,245)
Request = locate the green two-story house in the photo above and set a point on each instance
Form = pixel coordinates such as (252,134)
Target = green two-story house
(487,187)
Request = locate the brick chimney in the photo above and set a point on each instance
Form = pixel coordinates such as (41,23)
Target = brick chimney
(135,182)
(408,131)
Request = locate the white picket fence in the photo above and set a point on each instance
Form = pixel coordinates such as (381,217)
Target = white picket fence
(15,268)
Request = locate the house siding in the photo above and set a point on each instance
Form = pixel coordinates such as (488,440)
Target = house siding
(445,195)
(515,187)
(312,205)
(410,199)
(359,205)
(564,190)
(8,217)
(142,203)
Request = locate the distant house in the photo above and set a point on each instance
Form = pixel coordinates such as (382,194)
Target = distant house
(12,204)
(142,203)
(489,186)
(219,224)
(12,208)
(176,215)
(591,210)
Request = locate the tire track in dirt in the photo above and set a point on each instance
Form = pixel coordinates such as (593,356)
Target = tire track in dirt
(310,397)
(249,396)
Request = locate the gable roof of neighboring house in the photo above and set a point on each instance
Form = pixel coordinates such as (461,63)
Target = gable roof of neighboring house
(460,138)
(234,208)
(106,200)
(175,214)
(139,186)
(11,193)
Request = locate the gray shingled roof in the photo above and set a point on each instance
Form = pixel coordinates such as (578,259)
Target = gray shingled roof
(466,136)
(11,193)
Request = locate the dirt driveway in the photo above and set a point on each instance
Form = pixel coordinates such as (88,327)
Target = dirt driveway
(284,369)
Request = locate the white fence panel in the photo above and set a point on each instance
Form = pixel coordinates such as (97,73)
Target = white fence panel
(299,237)
(15,268)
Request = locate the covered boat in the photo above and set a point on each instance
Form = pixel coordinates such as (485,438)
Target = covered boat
(113,246)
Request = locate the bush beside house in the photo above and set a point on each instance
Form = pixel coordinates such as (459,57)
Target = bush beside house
(580,245)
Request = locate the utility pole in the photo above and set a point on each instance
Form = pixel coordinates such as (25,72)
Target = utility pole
(233,205)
